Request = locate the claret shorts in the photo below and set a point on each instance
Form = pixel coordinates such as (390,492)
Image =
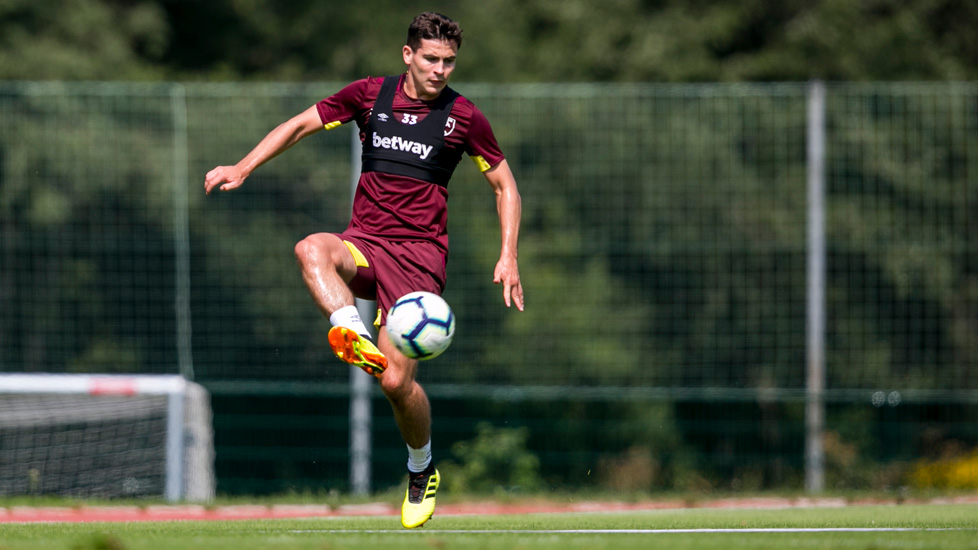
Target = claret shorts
(387,270)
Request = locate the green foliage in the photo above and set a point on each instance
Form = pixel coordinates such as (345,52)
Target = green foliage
(505,40)
(494,461)
(82,39)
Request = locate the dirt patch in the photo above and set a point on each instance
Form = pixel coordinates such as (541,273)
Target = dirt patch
(29,514)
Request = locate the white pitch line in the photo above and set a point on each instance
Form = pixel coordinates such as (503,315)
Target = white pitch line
(637,531)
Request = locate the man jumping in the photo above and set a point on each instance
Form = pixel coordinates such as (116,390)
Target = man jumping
(414,130)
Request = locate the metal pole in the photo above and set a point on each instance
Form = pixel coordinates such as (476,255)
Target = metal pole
(815,337)
(360,411)
(181,232)
(174,445)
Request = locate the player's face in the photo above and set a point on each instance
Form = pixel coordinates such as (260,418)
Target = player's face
(429,68)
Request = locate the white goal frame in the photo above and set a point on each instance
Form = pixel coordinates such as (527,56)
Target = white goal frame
(189,460)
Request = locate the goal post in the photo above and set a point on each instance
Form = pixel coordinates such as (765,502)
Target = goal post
(93,435)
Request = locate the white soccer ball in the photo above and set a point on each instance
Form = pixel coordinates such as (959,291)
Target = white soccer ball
(421,325)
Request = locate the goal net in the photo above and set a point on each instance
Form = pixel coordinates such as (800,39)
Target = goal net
(105,436)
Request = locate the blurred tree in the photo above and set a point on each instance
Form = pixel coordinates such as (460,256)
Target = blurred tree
(506,40)
(82,40)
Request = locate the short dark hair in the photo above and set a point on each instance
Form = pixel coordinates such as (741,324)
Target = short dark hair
(433,26)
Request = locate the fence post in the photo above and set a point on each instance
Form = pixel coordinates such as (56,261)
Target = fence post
(815,337)
(181,231)
(360,410)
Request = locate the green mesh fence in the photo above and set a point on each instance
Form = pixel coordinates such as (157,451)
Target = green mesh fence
(663,254)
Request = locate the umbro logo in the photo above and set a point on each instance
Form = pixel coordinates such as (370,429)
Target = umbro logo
(382,117)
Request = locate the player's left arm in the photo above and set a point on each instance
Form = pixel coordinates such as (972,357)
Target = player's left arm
(509,207)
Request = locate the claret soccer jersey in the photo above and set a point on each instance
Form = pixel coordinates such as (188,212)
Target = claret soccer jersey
(407,200)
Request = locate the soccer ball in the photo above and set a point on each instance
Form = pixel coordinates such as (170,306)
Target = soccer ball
(421,325)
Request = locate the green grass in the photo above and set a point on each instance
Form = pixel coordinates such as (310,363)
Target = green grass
(951,527)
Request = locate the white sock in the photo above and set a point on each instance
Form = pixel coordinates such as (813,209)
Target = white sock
(419,459)
(349,317)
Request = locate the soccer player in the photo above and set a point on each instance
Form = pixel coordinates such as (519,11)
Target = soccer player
(414,130)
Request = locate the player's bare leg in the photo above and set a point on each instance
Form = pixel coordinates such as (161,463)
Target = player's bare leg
(412,412)
(327,267)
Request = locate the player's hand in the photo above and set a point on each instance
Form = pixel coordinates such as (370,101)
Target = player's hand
(225,178)
(507,273)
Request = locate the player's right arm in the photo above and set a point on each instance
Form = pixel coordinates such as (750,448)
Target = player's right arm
(285,135)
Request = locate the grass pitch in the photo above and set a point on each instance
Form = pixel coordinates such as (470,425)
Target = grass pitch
(949,527)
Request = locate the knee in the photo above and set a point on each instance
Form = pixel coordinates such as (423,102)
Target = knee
(307,251)
(314,250)
(395,385)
